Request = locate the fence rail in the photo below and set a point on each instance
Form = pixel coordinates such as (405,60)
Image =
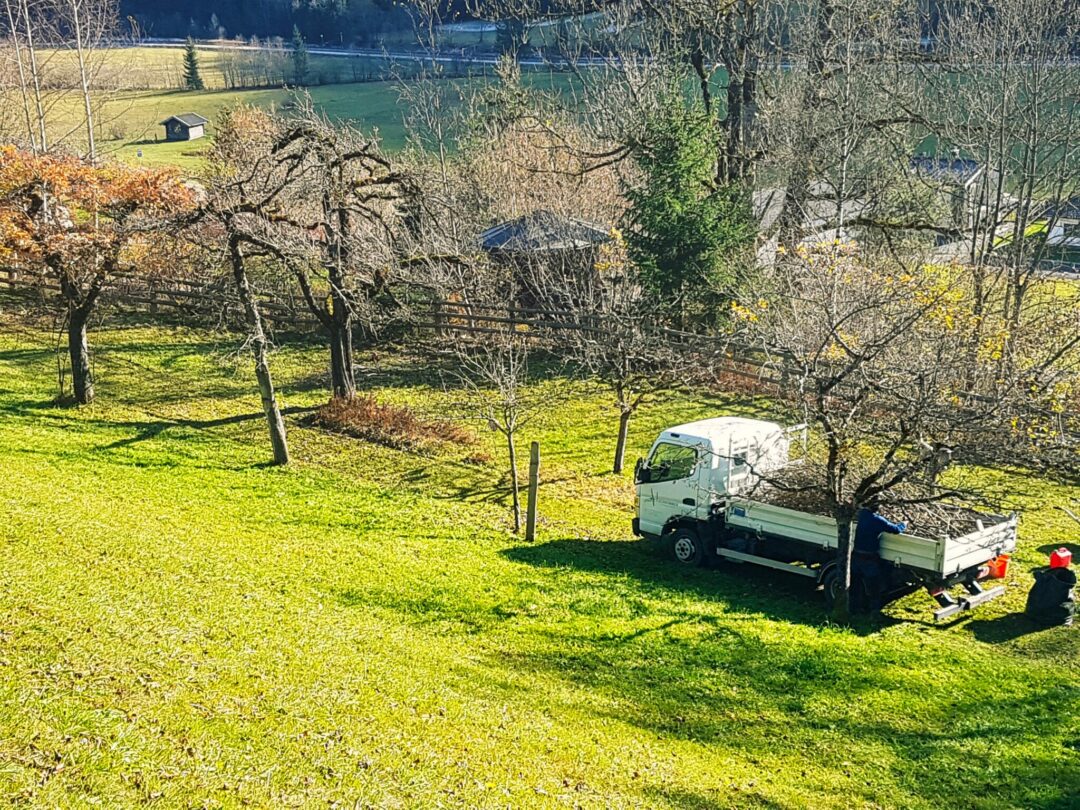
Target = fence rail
(182,296)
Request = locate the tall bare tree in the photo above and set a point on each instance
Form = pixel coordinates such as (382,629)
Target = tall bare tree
(1005,93)
(247,181)
(493,373)
(896,377)
(335,227)
(23,28)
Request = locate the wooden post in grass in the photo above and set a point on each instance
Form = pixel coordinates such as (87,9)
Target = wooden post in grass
(534,480)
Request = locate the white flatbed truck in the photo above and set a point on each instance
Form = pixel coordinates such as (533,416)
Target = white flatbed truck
(699,491)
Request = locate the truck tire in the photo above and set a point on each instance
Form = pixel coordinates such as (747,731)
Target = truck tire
(687,546)
(832,588)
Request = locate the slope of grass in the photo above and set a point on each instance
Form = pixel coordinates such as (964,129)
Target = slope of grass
(130,121)
(180,624)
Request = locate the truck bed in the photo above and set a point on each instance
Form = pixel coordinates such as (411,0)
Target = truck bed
(942,556)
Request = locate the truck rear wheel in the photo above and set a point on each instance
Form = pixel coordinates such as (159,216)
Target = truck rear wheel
(687,546)
(831,587)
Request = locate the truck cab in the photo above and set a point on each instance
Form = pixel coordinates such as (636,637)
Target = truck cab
(692,467)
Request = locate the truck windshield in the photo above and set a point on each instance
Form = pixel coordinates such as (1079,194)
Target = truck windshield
(670,462)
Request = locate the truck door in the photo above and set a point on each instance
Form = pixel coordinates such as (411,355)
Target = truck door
(668,486)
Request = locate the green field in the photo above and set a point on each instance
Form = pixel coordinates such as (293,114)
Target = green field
(159,68)
(372,105)
(128,121)
(182,625)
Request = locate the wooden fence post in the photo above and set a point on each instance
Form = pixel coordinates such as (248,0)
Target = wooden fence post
(534,480)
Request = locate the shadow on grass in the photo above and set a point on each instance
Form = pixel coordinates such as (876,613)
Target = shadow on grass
(718,675)
(1003,629)
(143,431)
(746,588)
(151,430)
(26,355)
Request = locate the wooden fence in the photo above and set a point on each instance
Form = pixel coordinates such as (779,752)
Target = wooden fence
(212,301)
(735,365)
(727,357)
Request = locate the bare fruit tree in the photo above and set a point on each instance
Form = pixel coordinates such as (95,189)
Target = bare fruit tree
(247,185)
(1004,91)
(492,373)
(892,371)
(335,228)
(612,331)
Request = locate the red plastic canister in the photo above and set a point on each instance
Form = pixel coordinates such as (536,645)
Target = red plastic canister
(998,568)
(1062,558)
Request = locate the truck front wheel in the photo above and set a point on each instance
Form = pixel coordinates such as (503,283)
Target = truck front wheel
(689,549)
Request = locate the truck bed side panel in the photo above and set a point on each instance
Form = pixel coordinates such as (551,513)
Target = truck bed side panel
(961,553)
(911,551)
(942,557)
(758,517)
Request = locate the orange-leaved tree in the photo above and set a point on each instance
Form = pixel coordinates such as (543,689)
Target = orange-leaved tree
(79,226)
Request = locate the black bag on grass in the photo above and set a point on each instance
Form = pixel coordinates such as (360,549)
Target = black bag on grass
(1051,602)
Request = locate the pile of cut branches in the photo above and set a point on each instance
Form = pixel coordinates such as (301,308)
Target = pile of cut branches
(801,487)
(396,426)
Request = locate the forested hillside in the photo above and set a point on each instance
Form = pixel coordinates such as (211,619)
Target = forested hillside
(336,21)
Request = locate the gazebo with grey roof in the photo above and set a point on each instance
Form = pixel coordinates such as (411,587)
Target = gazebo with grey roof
(542,245)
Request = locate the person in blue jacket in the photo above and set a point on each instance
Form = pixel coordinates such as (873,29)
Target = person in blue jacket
(866,562)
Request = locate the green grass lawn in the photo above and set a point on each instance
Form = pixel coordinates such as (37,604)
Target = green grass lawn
(183,626)
(129,121)
(143,68)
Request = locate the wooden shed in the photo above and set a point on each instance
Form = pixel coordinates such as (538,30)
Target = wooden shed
(184,127)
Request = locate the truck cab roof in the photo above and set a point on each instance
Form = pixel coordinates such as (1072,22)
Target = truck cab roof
(722,430)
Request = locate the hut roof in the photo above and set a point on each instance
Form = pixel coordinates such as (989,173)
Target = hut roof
(187,119)
(1067,209)
(542,231)
(953,169)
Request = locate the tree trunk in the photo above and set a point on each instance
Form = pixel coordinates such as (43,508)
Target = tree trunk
(84,78)
(260,349)
(844,549)
(342,376)
(82,376)
(514,481)
(620,443)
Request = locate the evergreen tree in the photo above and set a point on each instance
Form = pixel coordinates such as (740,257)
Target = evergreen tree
(192,78)
(688,236)
(299,57)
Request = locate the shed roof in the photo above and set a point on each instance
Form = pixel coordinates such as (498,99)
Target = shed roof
(1068,209)
(543,231)
(187,119)
(956,169)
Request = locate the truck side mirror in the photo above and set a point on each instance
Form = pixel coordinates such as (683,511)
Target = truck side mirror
(640,473)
